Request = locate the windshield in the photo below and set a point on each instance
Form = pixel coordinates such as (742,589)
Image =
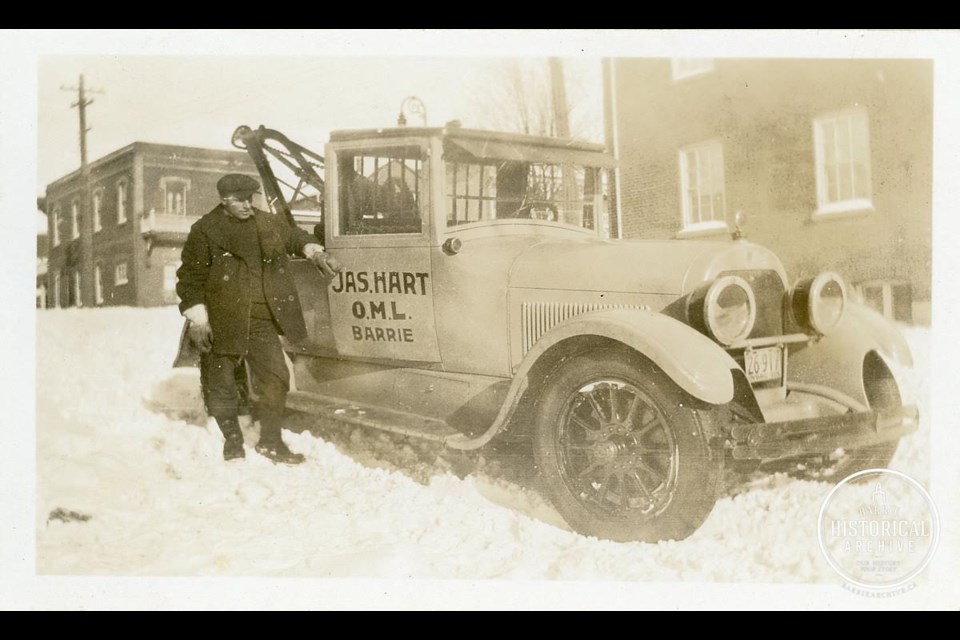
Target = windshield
(479,190)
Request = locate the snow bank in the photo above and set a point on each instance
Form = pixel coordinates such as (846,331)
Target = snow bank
(131,481)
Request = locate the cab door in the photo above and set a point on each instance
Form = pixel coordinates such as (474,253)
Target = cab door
(381,303)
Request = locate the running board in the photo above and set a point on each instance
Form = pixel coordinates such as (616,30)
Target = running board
(341,410)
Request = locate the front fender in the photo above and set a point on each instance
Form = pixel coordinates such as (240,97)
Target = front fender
(693,361)
(886,339)
(836,360)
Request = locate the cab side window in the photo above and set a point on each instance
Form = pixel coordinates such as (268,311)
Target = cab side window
(382,191)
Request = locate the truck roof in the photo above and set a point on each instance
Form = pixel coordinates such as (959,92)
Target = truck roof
(495,144)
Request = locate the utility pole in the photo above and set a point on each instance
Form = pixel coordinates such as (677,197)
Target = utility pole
(86,206)
(561,120)
(558,91)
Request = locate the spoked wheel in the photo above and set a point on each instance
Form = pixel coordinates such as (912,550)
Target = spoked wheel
(622,451)
(617,451)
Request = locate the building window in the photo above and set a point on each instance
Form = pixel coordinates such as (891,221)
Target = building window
(701,183)
(75,219)
(842,154)
(689,67)
(170,277)
(174,194)
(55,223)
(56,290)
(891,298)
(120,274)
(98,284)
(121,202)
(97,207)
(77,300)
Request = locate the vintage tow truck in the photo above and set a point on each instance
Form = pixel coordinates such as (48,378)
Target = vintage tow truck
(479,300)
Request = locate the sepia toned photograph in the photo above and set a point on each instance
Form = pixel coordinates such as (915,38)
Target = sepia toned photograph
(620,318)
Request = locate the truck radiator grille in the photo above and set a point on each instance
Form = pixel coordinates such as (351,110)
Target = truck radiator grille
(536,318)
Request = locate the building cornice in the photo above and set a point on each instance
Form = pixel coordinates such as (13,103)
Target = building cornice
(155,153)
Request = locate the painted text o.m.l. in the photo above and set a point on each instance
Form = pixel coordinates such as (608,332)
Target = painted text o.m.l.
(388,283)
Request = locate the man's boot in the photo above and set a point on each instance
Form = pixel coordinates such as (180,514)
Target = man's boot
(232,438)
(271,443)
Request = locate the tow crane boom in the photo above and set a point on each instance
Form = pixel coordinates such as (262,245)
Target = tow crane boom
(303,163)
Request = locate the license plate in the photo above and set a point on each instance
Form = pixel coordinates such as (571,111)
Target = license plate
(763,364)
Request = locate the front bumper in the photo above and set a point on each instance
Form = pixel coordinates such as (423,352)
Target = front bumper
(821,435)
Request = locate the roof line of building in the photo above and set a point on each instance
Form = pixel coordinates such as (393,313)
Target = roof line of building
(113,155)
(133,146)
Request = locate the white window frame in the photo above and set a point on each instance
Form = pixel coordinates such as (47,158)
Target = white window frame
(56,289)
(97,210)
(122,197)
(886,288)
(97,284)
(167,181)
(683,68)
(56,225)
(175,266)
(713,225)
(74,219)
(852,205)
(120,275)
(77,289)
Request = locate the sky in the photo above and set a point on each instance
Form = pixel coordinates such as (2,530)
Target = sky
(193,87)
(200,100)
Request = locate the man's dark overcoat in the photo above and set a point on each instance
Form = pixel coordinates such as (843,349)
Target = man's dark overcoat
(215,273)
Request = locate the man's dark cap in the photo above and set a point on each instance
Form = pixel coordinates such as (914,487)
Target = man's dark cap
(237,184)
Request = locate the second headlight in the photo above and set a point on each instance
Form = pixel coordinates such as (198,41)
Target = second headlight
(818,303)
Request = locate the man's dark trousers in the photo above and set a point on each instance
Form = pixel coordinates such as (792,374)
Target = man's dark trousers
(269,377)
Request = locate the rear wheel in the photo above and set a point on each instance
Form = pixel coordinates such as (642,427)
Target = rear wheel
(622,451)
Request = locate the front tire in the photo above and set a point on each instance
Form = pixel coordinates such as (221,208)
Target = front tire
(623,451)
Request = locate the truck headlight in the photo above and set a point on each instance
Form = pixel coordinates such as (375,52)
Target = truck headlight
(818,303)
(729,309)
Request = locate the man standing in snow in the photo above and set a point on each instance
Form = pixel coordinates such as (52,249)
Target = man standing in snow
(238,298)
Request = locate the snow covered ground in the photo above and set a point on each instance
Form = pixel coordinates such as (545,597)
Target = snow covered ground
(130,481)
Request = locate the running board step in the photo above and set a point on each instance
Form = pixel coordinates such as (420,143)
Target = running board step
(341,410)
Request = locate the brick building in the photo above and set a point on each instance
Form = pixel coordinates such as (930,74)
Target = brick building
(829,160)
(123,247)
